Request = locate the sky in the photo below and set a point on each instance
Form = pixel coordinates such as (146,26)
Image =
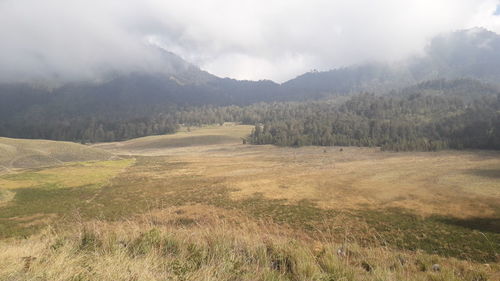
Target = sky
(72,40)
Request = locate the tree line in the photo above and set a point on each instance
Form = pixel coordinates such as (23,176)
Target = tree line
(429,116)
(408,123)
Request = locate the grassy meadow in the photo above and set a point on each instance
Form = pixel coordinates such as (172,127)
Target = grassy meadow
(200,205)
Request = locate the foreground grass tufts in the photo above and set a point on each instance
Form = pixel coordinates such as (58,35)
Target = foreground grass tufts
(138,250)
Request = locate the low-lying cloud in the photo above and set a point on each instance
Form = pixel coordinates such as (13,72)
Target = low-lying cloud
(248,39)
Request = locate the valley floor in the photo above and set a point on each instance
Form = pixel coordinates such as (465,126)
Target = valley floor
(184,189)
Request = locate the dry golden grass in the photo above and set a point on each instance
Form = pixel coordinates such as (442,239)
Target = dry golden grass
(439,183)
(460,184)
(463,184)
(215,217)
(151,247)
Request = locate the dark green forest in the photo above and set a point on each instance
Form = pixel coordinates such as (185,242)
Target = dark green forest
(432,115)
(417,122)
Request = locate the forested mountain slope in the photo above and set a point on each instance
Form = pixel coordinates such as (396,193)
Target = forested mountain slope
(458,73)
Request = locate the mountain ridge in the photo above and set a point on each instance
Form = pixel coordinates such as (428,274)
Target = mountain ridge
(472,53)
(123,103)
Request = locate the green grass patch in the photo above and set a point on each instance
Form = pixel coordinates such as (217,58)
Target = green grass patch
(38,196)
(435,235)
(6,196)
(28,176)
(70,175)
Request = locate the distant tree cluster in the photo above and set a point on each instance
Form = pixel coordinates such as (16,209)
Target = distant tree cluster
(410,122)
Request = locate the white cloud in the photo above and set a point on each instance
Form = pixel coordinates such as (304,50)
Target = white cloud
(259,39)
(487,16)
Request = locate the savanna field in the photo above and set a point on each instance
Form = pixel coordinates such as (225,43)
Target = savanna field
(218,140)
(200,205)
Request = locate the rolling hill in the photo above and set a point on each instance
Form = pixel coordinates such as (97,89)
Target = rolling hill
(227,134)
(21,153)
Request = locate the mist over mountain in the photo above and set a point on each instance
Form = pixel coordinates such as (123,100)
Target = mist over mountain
(465,64)
(473,53)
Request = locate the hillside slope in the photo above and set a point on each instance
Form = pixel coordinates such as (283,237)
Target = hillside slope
(20,153)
